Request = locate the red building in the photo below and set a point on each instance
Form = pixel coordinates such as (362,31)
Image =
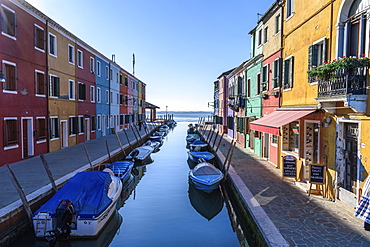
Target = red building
(86,90)
(23,98)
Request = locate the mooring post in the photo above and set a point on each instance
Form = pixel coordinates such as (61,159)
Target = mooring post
(20,192)
(228,153)
(133,131)
(120,143)
(219,142)
(110,158)
(229,160)
(214,141)
(138,135)
(128,139)
(210,139)
(46,166)
(88,157)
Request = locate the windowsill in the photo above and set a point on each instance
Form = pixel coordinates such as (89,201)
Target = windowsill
(41,95)
(9,36)
(54,139)
(42,141)
(11,147)
(287,89)
(39,49)
(8,91)
(314,83)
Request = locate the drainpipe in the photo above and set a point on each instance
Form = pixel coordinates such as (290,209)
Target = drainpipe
(109,97)
(281,49)
(47,86)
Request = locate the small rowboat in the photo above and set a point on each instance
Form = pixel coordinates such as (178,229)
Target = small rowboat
(197,156)
(206,177)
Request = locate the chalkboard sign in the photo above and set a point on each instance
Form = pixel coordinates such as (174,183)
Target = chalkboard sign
(289,166)
(317,174)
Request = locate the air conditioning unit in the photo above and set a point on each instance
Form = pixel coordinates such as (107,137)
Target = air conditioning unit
(275,93)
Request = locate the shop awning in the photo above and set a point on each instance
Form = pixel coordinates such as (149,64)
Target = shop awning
(273,121)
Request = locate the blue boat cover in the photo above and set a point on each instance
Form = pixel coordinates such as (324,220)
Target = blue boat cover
(202,155)
(197,142)
(87,191)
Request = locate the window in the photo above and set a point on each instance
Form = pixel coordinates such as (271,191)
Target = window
(316,55)
(265,33)
(40,83)
(98,68)
(93,123)
(288,72)
(230,122)
(126,81)
(81,128)
(40,129)
(81,91)
(11,132)
(277,24)
(9,22)
(10,74)
(265,78)
(106,73)
(98,94)
(92,93)
(240,85)
(276,73)
(111,97)
(73,125)
(39,38)
(80,60)
(274,139)
(294,137)
(117,98)
(117,77)
(111,74)
(356,30)
(92,65)
(258,84)
(121,99)
(120,79)
(249,87)
(72,94)
(52,45)
(98,122)
(54,127)
(54,86)
(106,96)
(289,8)
(259,37)
(71,54)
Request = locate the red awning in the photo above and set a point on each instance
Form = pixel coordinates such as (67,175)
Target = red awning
(273,121)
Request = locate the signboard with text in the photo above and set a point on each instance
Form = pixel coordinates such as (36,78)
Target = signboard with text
(289,166)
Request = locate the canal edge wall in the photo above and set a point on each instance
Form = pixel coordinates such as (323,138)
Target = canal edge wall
(266,228)
(13,218)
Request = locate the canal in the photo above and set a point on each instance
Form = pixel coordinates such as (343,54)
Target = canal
(159,207)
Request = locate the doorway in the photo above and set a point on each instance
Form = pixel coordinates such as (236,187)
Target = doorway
(266,146)
(87,129)
(27,137)
(63,134)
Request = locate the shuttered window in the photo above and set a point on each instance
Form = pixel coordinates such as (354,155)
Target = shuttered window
(40,83)
(11,132)
(81,91)
(41,129)
(54,86)
(10,71)
(39,38)
(9,21)
(288,72)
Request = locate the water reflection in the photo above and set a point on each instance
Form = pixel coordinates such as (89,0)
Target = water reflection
(206,204)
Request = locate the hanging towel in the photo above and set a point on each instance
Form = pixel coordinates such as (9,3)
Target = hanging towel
(363,207)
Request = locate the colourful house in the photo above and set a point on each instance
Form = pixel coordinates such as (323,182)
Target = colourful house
(23,122)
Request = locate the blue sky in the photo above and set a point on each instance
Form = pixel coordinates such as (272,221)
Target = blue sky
(180,46)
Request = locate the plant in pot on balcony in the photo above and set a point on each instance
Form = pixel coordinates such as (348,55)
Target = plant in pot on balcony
(327,70)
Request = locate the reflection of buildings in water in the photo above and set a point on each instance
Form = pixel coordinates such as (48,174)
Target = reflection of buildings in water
(103,240)
(206,204)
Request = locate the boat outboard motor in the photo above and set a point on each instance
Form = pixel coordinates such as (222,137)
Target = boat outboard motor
(64,213)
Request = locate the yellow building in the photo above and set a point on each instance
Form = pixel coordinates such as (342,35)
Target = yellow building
(63,120)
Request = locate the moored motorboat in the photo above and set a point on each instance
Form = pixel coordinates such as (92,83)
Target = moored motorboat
(192,137)
(206,177)
(81,208)
(140,154)
(122,169)
(196,156)
(198,145)
(154,144)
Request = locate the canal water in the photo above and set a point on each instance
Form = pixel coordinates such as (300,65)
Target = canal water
(159,207)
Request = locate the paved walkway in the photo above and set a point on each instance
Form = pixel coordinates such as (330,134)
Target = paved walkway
(284,212)
(63,164)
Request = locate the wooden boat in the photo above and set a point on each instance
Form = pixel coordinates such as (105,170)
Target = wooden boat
(196,156)
(81,208)
(206,177)
(122,169)
(198,145)
(156,136)
(140,153)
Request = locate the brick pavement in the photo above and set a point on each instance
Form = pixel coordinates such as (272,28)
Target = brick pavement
(296,218)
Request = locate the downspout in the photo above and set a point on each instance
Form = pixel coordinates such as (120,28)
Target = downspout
(47,86)
(76,95)
(109,97)
(281,50)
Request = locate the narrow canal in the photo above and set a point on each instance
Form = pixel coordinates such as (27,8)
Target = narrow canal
(159,207)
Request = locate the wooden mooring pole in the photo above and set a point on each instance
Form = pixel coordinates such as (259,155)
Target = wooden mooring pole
(219,142)
(120,143)
(110,158)
(228,158)
(46,166)
(88,157)
(128,139)
(18,187)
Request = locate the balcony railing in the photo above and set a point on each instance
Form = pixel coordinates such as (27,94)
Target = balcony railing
(343,82)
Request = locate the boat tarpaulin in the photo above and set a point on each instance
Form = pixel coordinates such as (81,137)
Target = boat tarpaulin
(273,121)
(87,191)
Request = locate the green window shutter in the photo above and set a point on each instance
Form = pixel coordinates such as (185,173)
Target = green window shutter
(57,86)
(286,73)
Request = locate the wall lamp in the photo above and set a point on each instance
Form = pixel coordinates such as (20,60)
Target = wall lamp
(2,78)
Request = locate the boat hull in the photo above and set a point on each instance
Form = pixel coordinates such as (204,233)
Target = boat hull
(197,156)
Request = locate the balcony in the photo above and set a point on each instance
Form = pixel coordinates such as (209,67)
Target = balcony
(342,85)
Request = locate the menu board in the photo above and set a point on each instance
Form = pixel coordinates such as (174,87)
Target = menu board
(289,166)
(317,174)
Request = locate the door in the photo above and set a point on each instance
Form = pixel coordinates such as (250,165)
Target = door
(266,146)
(350,155)
(27,137)
(63,134)
(104,125)
(87,129)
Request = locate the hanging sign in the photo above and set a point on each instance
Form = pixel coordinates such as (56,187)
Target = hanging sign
(289,166)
